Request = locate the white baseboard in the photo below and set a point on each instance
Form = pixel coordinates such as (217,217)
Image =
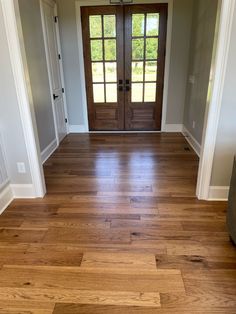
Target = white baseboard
(218,193)
(80,128)
(23,191)
(47,152)
(173,128)
(192,141)
(6,197)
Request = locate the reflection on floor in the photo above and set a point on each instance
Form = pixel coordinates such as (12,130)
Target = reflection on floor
(120,231)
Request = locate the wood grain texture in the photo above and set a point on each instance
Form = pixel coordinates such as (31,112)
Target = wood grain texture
(119,231)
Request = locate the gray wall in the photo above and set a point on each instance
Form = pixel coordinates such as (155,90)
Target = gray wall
(226,136)
(178,68)
(10,122)
(36,59)
(70,58)
(181,31)
(201,48)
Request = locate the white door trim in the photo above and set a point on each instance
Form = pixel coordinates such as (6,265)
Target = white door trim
(11,17)
(223,35)
(78,5)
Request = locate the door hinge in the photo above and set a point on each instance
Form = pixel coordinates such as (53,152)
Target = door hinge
(59,56)
(66,121)
(56,19)
(63,90)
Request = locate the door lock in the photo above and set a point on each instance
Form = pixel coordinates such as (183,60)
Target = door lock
(120,86)
(127,85)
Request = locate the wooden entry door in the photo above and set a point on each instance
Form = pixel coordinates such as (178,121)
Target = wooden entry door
(124,52)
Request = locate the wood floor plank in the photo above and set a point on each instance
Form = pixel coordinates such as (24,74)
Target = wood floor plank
(119,231)
(22,307)
(98,309)
(119,260)
(91,279)
(74,235)
(150,299)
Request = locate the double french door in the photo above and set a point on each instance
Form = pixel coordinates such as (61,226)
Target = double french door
(124,53)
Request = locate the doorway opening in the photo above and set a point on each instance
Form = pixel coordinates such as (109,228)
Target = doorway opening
(124,51)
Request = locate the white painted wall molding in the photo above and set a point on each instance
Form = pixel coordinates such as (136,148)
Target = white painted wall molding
(218,193)
(173,128)
(11,16)
(192,141)
(221,46)
(47,152)
(23,191)
(6,197)
(80,128)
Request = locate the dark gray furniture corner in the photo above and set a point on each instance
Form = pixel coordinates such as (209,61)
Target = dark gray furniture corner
(231,213)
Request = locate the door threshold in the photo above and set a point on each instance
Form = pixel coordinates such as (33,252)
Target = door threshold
(123,132)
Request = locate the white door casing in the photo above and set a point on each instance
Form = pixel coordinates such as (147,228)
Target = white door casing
(54,69)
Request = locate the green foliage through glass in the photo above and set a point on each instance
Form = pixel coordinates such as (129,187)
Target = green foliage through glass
(138,21)
(95,25)
(109,25)
(110,49)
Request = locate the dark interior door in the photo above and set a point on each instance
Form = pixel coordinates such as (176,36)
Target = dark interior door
(124,52)
(145,41)
(104,64)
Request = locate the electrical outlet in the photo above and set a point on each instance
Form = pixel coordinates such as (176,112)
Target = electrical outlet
(21,167)
(194,124)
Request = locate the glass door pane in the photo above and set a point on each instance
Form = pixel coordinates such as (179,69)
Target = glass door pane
(145,30)
(103,45)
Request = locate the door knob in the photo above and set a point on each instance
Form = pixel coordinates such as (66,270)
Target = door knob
(55,96)
(127,85)
(120,86)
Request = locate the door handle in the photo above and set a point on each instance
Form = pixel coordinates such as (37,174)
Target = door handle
(120,86)
(127,85)
(55,96)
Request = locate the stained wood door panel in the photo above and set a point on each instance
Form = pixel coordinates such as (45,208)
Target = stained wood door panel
(124,65)
(144,103)
(103,114)
(97,63)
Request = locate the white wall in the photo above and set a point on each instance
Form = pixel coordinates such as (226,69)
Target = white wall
(181,32)
(10,121)
(200,57)
(37,66)
(225,149)
(182,17)
(4,178)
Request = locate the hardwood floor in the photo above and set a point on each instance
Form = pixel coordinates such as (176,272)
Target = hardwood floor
(120,231)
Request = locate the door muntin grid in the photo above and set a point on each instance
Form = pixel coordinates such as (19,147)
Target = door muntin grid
(144,55)
(103,46)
